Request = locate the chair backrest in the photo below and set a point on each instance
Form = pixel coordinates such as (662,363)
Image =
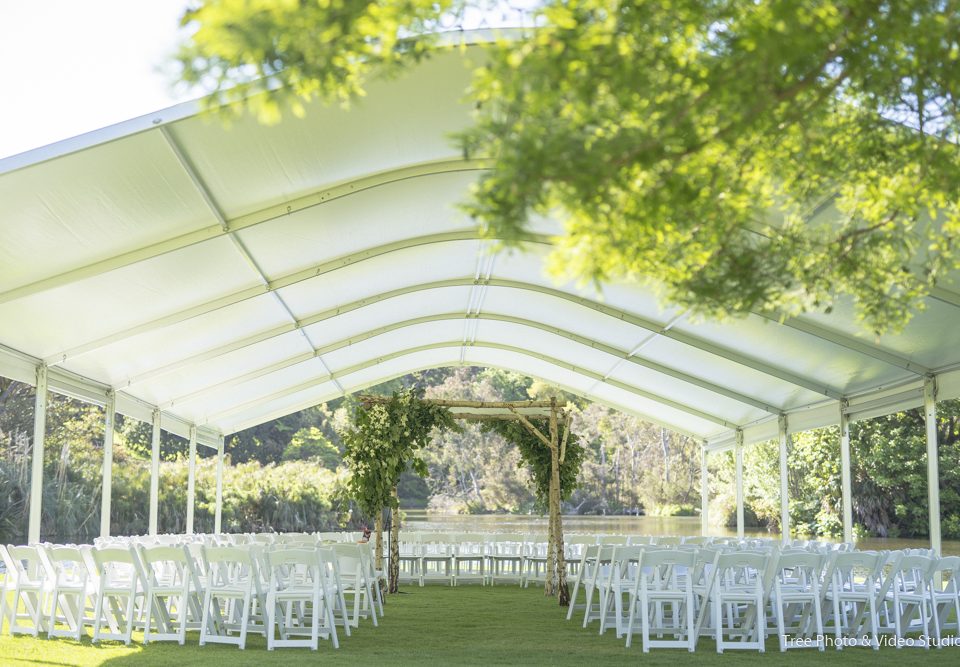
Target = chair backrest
(237,555)
(508,545)
(231,566)
(948,569)
(668,540)
(912,573)
(613,539)
(350,559)
(857,570)
(9,567)
(742,568)
(69,565)
(28,564)
(166,565)
(626,560)
(292,566)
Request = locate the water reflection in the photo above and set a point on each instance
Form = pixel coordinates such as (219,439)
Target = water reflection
(625,525)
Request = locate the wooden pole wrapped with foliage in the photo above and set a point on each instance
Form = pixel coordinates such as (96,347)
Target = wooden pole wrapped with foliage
(554,478)
(381,443)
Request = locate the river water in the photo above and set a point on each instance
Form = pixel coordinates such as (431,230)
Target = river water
(618,525)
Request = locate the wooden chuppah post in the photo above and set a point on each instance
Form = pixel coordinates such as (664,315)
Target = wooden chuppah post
(556,582)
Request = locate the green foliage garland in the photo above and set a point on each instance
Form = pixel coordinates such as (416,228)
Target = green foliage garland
(536,456)
(384,439)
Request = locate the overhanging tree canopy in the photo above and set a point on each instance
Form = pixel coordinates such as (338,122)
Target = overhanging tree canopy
(220,277)
(692,146)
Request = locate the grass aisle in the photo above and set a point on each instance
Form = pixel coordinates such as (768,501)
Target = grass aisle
(443,626)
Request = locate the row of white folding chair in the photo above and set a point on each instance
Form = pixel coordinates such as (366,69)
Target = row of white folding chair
(158,588)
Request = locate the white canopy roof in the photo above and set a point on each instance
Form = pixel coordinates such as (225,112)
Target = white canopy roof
(232,275)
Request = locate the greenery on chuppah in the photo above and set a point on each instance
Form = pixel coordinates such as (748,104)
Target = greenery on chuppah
(535,457)
(382,441)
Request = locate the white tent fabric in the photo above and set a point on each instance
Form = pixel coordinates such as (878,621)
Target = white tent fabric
(231,275)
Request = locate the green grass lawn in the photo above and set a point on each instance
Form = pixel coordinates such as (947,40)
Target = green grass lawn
(437,625)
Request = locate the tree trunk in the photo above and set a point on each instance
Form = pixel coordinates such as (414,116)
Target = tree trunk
(394,586)
(556,564)
(666,455)
(378,556)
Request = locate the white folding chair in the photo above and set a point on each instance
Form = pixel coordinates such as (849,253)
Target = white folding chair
(375,576)
(738,600)
(469,558)
(909,594)
(232,590)
(168,592)
(72,587)
(506,558)
(535,561)
(436,559)
(663,592)
(408,560)
(945,597)
(32,585)
(297,602)
(599,571)
(852,590)
(355,582)
(574,547)
(120,584)
(584,573)
(620,580)
(796,600)
(9,577)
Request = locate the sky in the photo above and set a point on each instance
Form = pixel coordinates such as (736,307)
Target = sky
(71,66)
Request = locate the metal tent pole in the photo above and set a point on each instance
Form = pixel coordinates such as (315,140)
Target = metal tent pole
(36,475)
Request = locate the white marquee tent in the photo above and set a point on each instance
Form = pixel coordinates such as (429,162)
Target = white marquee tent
(208,278)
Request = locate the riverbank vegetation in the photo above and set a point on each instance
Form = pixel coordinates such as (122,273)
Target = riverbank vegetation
(288,475)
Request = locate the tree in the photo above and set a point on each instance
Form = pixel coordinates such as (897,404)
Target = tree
(739,156)
(311,444)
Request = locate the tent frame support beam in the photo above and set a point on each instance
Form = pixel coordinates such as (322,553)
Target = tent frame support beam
(106,494)
(784,441)
(191,479)
(259,290)
(36,467)
(154,473)
(845,475)
(933,461)
(850,343)
(704,493)
(332,265)
(738,480)
(218,511)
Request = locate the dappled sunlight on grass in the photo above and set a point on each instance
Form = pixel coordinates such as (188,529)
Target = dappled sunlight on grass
(468,625)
